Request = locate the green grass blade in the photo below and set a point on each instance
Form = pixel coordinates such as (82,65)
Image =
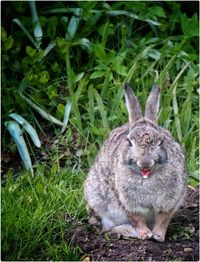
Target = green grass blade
(101,109)
(140,56)
(131,15)
(90,109)
(43,113)
(19,23)
(48,49)
(66,116)
(176,114)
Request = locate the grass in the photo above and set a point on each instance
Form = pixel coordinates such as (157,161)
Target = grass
(37,215)
(89,59)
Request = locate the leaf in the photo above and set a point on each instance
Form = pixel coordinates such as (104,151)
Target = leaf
(154,54)
(120,69)
(39,188)
(131,15)
(8,43)
(73,25)
(60,111)
(28,127)
(101,109)
(44,77)
(43,113)
(99,52)
(79,77)
(37,28)
(66,115)
(48,49)
(86,44)
(97,74)
(52,92)
(157,11)
(99,131)
(3,34)
(19,23)
(30,51)
(176,114)
(190,26)
(90,108)
(16,133)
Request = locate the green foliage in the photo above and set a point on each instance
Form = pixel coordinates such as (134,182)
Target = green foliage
(75,56)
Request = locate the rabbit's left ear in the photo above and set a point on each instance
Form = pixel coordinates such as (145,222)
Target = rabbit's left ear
(132,105)
(152,105)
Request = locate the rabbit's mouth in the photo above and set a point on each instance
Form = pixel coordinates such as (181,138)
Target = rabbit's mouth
(145,168)
(145,172)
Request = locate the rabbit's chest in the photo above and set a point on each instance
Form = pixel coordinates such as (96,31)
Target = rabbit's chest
(145,196)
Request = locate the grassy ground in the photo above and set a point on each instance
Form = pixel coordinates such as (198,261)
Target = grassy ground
(93,56)
(37,216)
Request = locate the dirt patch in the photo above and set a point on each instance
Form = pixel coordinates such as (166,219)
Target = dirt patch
(182,240)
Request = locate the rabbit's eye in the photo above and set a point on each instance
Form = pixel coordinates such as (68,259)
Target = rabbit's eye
(160,142)
(129,142)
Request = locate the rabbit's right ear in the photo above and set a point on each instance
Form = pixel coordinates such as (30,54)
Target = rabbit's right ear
(152,105)
(132,105)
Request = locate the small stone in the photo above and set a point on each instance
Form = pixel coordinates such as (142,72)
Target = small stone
(86,259)
(188,249)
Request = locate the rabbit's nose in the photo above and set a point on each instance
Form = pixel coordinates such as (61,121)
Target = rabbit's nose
(145,163)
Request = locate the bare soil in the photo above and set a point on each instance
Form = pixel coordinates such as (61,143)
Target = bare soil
(182,239)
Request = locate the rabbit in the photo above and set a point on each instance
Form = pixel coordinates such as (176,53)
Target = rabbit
(139,177)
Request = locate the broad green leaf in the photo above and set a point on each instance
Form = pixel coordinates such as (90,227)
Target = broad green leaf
(73,25)
(86,44)
(120,69)
(16,133)
(99,52)
(30,51)
(157,11)
(79,77)
(97,74)
(8,43)
(28,127)
(52,92)
(3,34)
(190,26)
(154,54)
(44,77)
(60,111)
(37,28)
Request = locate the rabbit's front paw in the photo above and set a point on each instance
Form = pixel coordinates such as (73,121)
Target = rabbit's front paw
(159,234)
(144,233)
(125,230)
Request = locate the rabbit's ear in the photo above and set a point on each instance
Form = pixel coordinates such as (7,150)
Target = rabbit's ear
(152,105)
(132,105)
